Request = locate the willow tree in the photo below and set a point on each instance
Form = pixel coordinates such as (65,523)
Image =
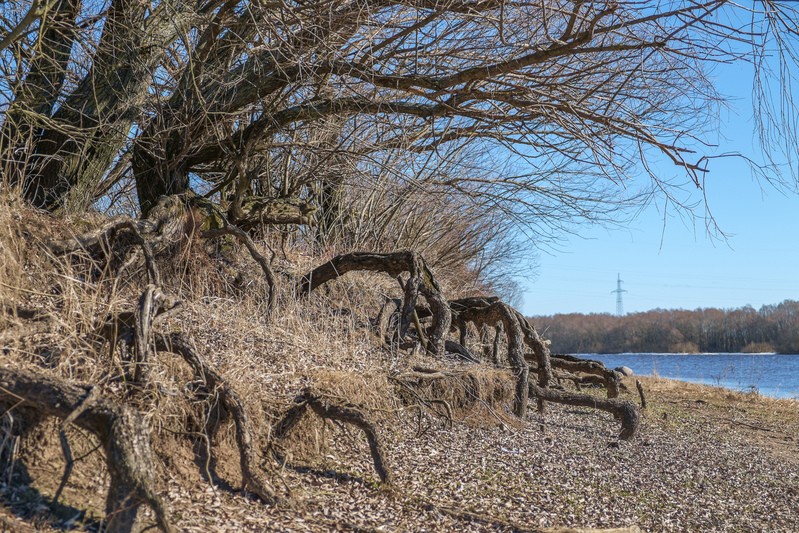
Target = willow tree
(222,96)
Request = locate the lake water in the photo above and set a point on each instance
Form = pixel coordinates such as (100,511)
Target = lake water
(770,374)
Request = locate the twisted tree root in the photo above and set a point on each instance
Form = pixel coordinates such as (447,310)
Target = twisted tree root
(641,393)
(576,365)
(421,280)
(343,413)
(121,430)
(490,311)
(254,480)
(242,236)
(625,410)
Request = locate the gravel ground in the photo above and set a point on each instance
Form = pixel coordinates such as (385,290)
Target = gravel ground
(697,465)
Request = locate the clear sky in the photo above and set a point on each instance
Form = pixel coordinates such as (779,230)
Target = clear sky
(674,264)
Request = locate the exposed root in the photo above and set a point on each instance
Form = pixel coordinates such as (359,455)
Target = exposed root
(343,413)
(575,365)
(122,432)
(135,329)
(259,211)
(146,249)
(167,223)
(461,351)
(254,480)
(421,280)
(495,347)
(490,311)
(171,221)
(241,235)
(641,393)
(390,310)
(625,410)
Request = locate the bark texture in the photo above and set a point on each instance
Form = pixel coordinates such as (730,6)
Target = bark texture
(123,433)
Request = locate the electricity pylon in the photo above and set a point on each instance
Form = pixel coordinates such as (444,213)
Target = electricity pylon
(618,291)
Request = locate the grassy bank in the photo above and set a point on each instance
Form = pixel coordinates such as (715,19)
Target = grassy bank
(704,458)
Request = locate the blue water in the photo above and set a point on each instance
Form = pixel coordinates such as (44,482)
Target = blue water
(769,374)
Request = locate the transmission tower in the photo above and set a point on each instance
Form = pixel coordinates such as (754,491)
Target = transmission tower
(617,292)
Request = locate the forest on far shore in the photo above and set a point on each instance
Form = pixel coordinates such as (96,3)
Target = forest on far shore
(772,328)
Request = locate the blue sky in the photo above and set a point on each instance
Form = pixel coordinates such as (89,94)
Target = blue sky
(673,263)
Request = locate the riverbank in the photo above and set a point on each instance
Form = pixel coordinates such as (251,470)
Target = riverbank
(705,459)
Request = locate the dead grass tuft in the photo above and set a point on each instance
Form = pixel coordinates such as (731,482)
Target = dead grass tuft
(478,394)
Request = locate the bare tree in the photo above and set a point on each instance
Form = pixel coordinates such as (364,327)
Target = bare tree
(574,99)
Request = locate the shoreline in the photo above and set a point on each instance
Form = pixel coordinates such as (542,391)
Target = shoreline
(770,375)
(615,354)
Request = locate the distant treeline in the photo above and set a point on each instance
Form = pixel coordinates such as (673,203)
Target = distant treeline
(773,328)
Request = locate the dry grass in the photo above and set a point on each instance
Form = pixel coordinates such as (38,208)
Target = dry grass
(771,423)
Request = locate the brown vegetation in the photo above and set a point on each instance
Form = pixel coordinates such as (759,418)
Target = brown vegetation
(124,351)
(772,328)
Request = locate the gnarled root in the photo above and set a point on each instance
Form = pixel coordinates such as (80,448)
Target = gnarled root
(135,329)
(242,236)
(641,393)
(254,480)
(421,280)
(167,223)
(578,366)
(490,311)
(122,432)
(171,221)
(386,318)
(343,413)
(625,410)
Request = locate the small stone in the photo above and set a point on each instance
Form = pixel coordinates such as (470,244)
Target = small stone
(624,370)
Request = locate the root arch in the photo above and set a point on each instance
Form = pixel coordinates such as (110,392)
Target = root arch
(394,264)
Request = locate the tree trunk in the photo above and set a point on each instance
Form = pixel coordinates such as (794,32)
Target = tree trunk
(34,98)
(86,133)
(156,175)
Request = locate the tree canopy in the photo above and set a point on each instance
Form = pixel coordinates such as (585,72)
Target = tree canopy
(540,112)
